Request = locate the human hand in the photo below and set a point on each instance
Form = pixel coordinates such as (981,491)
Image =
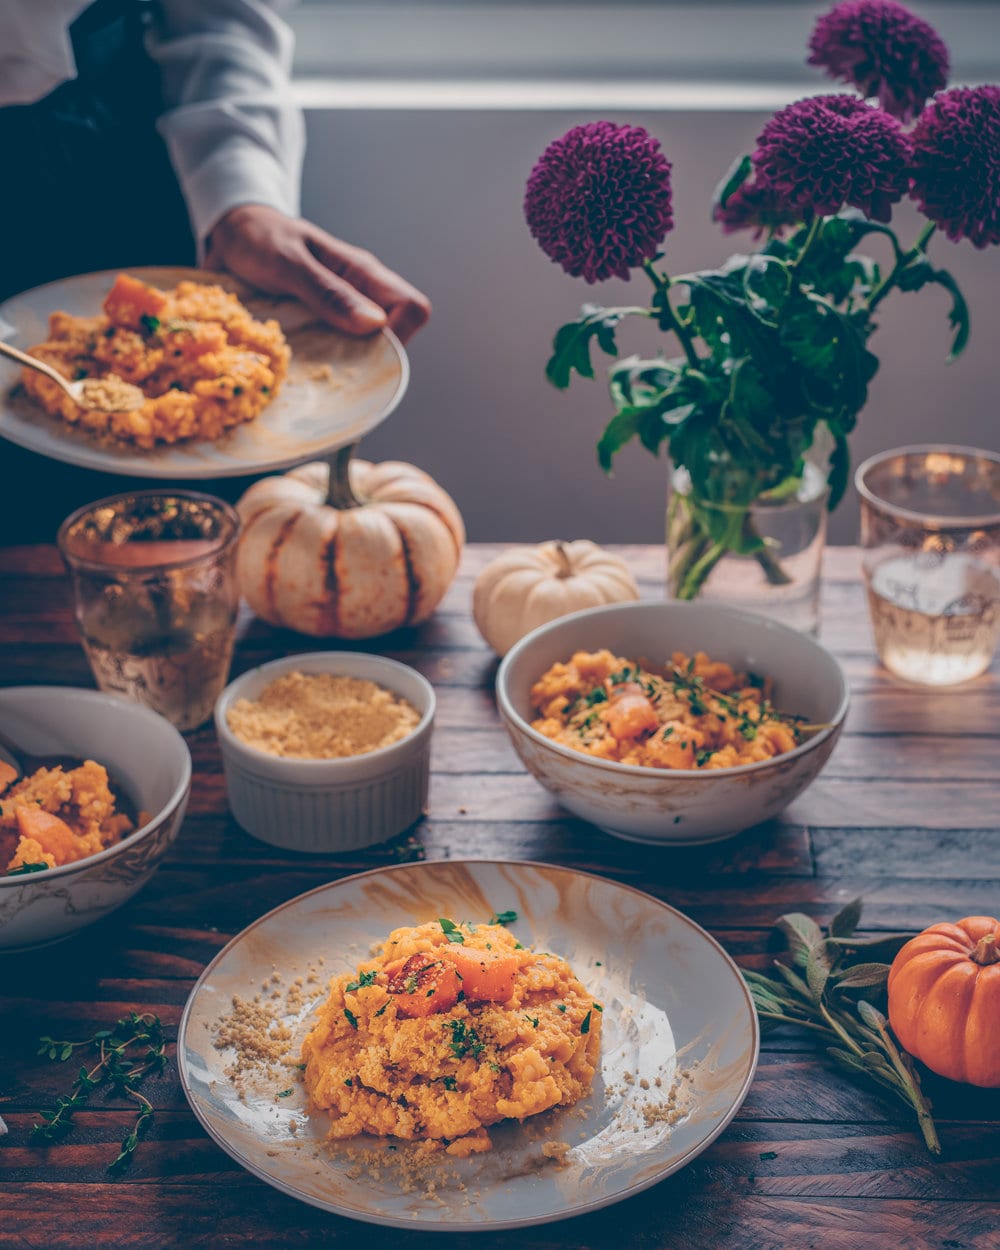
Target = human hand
(345,285)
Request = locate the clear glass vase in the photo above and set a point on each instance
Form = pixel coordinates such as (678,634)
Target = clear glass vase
(780,579)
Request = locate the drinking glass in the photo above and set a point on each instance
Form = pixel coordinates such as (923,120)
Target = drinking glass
(930,537)
(155,596)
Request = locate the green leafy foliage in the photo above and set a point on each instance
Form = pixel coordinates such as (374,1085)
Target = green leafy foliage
(126,1054)
(774,347)
(836,990)
(917,274)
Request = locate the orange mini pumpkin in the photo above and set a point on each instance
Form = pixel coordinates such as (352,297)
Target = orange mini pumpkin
(944,999)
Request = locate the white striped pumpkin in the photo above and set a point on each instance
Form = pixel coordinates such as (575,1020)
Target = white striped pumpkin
(382,561)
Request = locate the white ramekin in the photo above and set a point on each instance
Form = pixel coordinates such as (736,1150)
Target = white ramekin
(329,805)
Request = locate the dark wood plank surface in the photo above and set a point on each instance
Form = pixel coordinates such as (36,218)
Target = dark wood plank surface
(907,814)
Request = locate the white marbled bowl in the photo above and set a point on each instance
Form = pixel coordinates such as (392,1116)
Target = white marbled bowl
(676,807)
(336,805)
(144,754)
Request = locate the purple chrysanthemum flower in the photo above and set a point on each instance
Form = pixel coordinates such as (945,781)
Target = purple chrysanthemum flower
(956,163)
(598,200)
(884,50)
(823,152)
(753,207)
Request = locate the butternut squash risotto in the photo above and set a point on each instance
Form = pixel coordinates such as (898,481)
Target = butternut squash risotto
(55,817)
(203,363)
(448,1029)
(693,713)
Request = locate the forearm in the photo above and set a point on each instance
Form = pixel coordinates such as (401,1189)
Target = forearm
(233,135)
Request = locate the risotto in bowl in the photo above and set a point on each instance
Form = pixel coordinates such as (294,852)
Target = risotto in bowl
(672,723)
(72,850)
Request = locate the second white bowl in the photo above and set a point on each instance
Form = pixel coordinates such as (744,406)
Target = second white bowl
(674,807)
(329,805)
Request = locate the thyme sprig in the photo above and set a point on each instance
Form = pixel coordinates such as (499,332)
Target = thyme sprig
(126,1055)
(837,990)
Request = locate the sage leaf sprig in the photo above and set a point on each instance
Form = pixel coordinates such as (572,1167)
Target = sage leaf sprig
(126,1055)
(836,988)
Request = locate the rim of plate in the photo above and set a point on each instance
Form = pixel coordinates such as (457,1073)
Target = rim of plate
(466,1226)
(86,453)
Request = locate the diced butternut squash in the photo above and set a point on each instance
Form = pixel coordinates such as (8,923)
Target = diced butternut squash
(51,833)
(629,713)
(129,301)
(423,985)
(487,976)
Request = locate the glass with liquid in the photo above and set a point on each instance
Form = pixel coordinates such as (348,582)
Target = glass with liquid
(155,597)
(930,536)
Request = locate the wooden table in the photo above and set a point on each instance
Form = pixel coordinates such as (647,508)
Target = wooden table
(906,814)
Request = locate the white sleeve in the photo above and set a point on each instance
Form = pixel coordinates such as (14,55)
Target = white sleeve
(233,134)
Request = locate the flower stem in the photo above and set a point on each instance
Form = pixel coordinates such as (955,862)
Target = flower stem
(887,283)
(662,284)
(814,229)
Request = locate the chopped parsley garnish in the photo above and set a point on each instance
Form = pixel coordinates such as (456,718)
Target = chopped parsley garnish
(702,758)
(364,980)
(352,1019)
(383,1007)
(149,324)
(504,917)
(623,675)
(748,729)
(285,1093)
(533,1021)
(451,931)
(600,695)
(26,868)
(667,732)
(585,1023)
(464,1039)
(449,1082)
(349,1082)
(560,1006)
(755,680)
(597,1006)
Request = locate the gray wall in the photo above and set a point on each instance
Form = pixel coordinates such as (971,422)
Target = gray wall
(437,194)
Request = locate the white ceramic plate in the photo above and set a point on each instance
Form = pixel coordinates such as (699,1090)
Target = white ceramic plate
(678,1023)
(338,388)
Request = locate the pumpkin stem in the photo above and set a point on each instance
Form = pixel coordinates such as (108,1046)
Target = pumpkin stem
(338,493)
(987,950)
(563,566)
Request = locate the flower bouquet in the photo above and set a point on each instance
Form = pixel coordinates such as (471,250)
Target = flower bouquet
(775,356)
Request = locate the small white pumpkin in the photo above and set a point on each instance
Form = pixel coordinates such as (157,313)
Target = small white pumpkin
(357,552)
(527,586)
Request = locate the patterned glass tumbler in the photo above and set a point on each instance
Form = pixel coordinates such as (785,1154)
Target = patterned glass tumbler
(156,597)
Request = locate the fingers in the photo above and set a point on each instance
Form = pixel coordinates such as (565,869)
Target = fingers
(344,285)
(406,308)
(333,298)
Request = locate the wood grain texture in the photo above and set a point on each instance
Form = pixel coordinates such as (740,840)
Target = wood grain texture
(906,814)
